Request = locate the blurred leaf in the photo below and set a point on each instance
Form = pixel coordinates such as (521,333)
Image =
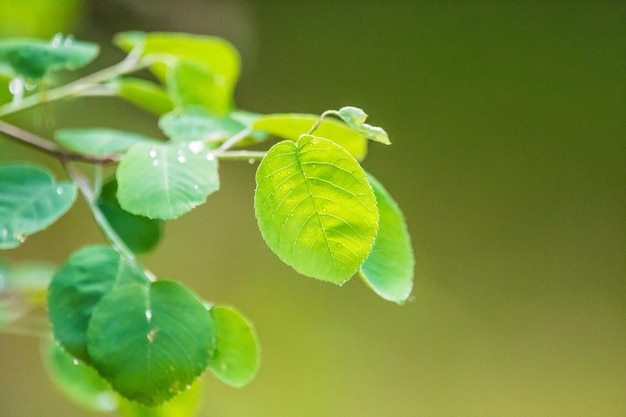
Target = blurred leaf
(292,125)
(77,381)
(315,208)
(247,119)
(183,405)
(355,118)
(190,83)
(31,279)
(79,285)
(5,93)
(196,124)
(99,142)
(145,94)
(38,18)
(236,359)
(166,181)
(162,345)
(30,201)
(139,233)
(388,269)
(32,58)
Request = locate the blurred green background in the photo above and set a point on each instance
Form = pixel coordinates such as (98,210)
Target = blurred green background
(508,123)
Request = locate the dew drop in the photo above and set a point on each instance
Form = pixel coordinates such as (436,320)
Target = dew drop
(196,187)
(153,153)
(324,210)
(210,156)
(181,159)
(69,40)
(20,237)
(4,233)
(75,362)
(188,387)
(57,40)
(148,314)
(59,190)
(251,161)
(16,87)
(196,146)
(155,163)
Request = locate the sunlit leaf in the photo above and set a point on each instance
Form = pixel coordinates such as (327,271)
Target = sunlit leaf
(139,233)
(162,344)
(33,58)
(79,285)
(184,404)
(236,359)
(79,382)
(98,141)
(315,208)
(388,269)
(145,94)
(166,181)
(30,200)
(292,125)
(355,118)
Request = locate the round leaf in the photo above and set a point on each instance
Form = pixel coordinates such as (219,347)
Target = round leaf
(166,181)
(79,285)
(315,208)
(79,382)
(388,269)
(162,344)
(30,201)
(236,359)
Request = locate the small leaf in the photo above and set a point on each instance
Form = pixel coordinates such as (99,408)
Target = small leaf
(196,124)
(163,343)
(355,118)
(166,181)
(30,201)
(139,233)
(32,58)
(236,359)
(315,208)
(99,142)
(79,285)
(292,125)
(79,382)
(388,269)
(145,94)
(183,405)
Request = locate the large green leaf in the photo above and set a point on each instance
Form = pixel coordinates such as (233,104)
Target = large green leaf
(139,233)
(150,342)
(79,285)
(32,58)
(166,181)
(236,359)
(145,94)
(315,208)
(388,269)
(215,54)
(184,404)
(30,201)
(78,381)
(292,125)
(98,141)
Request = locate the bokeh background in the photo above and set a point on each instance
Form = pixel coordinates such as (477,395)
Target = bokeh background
(508,123)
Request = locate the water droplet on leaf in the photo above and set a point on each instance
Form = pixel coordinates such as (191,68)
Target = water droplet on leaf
(196,146)
(210,156)
(57,40)
(75,362)
(181,159)
(153,153)
(59,190)
(155,163)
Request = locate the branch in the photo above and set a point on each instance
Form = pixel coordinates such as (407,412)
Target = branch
(45,146)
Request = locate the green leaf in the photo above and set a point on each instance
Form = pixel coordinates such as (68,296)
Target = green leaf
(79,285)
(192,84)
(236,359)
(166,181)
(291,126)
(196,124)
(355,118)
(77,381)
(99,142)
(32,58)
(30,201)
(183,405)
(139,233)
(145,94)
(315,208)
(163,343)
(388,269)
(5,92)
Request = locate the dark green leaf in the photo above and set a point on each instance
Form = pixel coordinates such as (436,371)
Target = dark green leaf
(388,269)
(315,208)
(236,359)
(163,343)
(30,201)
(79,285)
(99,142)
(166,181)
(145,94)
(79,382)
(291,126)
(139,233)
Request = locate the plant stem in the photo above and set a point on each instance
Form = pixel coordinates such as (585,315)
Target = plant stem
(43,145)
(319,121)
(241,155)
